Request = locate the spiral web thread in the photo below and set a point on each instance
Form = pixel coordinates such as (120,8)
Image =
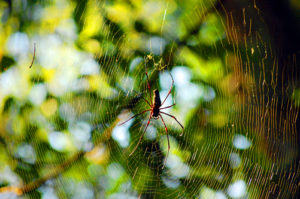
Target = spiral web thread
(252,105)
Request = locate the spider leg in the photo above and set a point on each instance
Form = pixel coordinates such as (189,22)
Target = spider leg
(134,116)
(169,90)
(167,107)
(141,135)
(167,139)
(144,99)
(174,119)
(148,85)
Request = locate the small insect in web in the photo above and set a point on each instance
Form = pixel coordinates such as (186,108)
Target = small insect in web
(33,56)
(155,112)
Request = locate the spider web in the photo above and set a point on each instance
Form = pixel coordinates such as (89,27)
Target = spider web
(233,94)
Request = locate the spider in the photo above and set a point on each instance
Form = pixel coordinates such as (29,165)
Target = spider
(155,112)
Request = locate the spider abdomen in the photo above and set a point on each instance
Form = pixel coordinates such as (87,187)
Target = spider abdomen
(156,99)
(156,104)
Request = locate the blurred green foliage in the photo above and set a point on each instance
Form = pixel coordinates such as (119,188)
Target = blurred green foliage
(59,136)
